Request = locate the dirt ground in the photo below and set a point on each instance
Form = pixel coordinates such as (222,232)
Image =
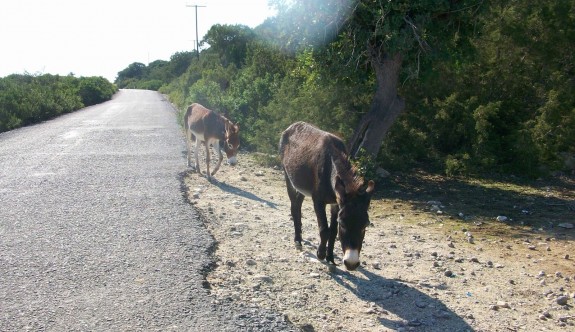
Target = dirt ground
(435,257)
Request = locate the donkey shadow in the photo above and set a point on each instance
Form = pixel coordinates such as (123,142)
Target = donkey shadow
(242,193)
(416,310)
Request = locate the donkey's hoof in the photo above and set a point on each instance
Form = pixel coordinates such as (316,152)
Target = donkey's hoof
(321,254)
(329,259)
(298,245)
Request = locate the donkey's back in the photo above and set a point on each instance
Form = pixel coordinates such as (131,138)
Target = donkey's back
(307,153)
(203,122)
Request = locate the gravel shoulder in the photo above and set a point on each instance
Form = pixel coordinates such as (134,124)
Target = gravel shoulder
(426,266)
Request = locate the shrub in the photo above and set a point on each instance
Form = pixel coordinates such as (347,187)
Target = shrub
(27,99)
(95,90)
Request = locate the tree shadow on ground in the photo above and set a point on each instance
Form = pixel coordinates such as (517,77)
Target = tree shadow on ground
(416,310)
(530,206)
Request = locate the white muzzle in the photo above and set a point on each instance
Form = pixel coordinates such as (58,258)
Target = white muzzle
(351,259)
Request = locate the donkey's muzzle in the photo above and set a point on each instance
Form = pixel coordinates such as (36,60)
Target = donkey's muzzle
(351,259)
(233,161)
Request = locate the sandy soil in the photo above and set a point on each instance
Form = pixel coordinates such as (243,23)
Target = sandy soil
(434,258)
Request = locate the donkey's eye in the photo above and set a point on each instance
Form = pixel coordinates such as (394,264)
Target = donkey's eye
(230,146)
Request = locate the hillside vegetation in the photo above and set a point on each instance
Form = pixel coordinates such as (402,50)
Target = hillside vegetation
(27,99)
(461,87)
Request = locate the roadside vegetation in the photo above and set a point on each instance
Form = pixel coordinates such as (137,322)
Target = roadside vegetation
(27,99)
(485,86)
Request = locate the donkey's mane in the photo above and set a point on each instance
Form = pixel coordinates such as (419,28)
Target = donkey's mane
(347,172)
(226,120)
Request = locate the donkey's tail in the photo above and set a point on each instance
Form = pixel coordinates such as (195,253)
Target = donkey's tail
(186,117)
(282,144)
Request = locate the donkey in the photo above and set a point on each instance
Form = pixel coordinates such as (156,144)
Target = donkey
(316,164)
(211,128)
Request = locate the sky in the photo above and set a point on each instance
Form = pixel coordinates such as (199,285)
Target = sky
(103,37)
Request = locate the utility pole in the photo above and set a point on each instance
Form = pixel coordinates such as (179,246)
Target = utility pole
(197,40)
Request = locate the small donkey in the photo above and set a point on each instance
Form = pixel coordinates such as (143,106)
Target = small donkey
(211,128)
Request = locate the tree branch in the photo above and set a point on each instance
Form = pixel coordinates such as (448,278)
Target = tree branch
(422,43)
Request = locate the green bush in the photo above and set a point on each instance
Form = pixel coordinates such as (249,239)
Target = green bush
(95,90)
(457,164)
(497,98)
(366,165)
(154,85)
(28,99)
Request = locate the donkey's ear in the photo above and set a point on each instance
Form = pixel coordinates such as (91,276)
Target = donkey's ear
(237,127)
(339,188)
(370,187)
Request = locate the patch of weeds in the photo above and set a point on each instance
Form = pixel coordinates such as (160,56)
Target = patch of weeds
(267,160)
(474,203)
(365,164)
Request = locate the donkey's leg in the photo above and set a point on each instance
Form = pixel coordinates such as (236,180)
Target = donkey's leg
(189,144)
(332,232)
(296,200)
(207,144)
(319,207)
(197,153)
(220,156)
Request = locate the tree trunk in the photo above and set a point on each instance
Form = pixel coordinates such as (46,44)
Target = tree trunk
(385,108)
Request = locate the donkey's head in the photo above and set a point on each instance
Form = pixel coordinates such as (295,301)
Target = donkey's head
(232,142)
(352,218)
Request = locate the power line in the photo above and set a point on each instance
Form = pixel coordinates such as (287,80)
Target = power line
(197,39)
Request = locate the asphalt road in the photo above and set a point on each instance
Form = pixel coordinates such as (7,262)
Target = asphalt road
(95,233)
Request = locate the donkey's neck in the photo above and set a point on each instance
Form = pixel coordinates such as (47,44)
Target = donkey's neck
(346,172)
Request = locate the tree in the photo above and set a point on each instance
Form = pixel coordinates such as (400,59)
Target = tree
(157,70)
(391,36)
(230,42)
(179,63)
(136,70)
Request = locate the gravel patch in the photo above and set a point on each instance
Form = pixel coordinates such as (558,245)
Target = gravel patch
(415,276)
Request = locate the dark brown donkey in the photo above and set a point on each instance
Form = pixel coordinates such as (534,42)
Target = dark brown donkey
(316,164)
(211,128)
